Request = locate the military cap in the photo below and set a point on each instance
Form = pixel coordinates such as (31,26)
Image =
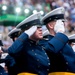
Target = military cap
(34,19)
(14,33)
(55,14)
(72,38)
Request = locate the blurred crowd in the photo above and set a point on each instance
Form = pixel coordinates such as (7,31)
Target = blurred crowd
(46,6)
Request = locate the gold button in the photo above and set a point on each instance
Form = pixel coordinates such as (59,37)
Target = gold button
(37,59)
(32,50)
(45,54)
(47,69)
(66,62)
(48,63)
(48,58)
(35,54)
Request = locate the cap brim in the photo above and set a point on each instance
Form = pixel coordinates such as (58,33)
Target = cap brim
(64,20)
(38,25)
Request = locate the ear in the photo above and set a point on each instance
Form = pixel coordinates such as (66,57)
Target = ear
(50,25)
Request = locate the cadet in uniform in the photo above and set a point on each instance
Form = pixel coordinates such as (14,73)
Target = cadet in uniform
(62,59)
(10,61)
(2,70)
(30,58)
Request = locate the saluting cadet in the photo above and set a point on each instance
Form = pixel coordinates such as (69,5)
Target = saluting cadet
(9,60)
(2,70)
(72,41)
(30,58)
(62,59)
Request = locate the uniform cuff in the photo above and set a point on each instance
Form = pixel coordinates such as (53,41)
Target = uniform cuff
(23,37)
(58,41)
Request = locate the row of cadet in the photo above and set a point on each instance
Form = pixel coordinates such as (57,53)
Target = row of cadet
(35,54)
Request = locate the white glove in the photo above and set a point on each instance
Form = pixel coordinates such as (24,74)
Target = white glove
(31,30)
(59,26)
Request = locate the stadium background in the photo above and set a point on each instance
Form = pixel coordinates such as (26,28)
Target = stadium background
(14,11)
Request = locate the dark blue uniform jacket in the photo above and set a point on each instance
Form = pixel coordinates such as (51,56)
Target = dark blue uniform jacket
(30,56)
(61,60)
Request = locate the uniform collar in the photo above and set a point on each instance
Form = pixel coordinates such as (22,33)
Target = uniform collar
(33,42)
(48,37)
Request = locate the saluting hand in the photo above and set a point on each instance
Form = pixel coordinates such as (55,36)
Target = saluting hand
(59,26)
(31,30)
